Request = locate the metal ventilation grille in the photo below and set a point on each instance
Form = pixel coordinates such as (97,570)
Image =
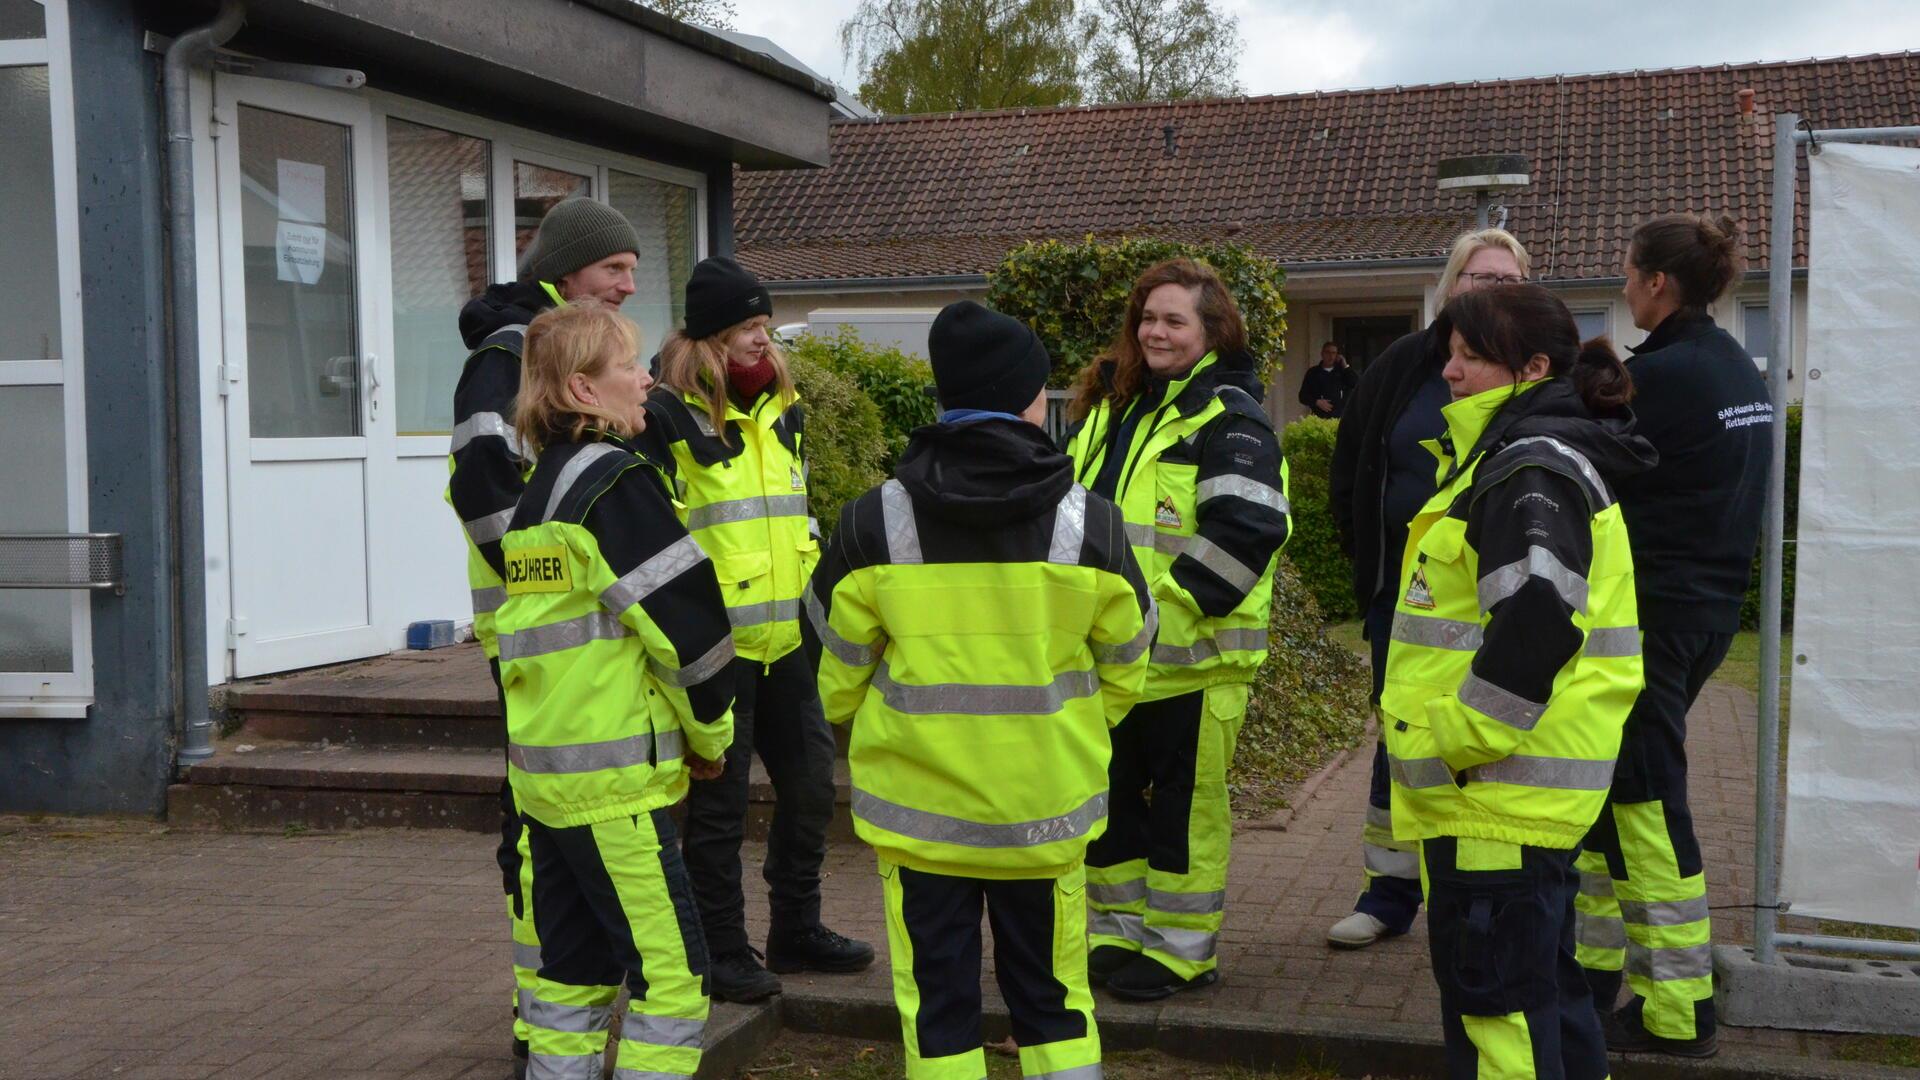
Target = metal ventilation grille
(61,561)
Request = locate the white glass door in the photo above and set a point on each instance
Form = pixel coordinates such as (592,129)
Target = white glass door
(309,406)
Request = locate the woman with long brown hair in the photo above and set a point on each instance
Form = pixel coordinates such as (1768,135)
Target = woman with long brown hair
(728,409)
(1170,427)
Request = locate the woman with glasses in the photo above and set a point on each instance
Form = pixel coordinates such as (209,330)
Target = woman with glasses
(1381,477)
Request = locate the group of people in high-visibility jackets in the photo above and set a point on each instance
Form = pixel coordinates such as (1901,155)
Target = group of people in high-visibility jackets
(1045,653)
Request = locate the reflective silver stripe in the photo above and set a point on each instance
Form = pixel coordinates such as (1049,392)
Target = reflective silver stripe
(1592,884)
(1243,640)
(1613,641)
(574,1018)
(482,424)
(1140,535)
(770,611)
(1665,912)
(1390,863)
(1497,585)
(843,650)
(1380,817)
(556,637)
(571,471)
(594,756)
(1503,705)
(526,956)
(700,670)
(753,508)
(662,567)
(1129,926)
(1242,487)
(984,699)
(486,601)
(1599,931)
(564,1066)
(523,1000)
(486,530)
(1423,772)
(1566,774)
(1579,461)
(1191,945)
(903,536)
(942,829)
(1187,903)
(1129,651)
(1069,527)
(1231,570)
(1122,892)
(1078,1072)
(1663,965)
(662,1030)
(1454,634)
(1170,544)
(649,1074)
(813,527)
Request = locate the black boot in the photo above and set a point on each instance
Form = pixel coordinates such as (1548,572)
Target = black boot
(1147,979)
(739,977)
(1104,960)
(816,948)
(519,1057)
(1627,1034)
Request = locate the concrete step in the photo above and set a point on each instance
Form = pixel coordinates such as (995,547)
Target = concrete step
(443,698)
(263,784)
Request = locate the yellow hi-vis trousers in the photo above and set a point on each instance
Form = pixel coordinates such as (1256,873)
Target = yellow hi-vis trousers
(612,901)
(1039,959)
(1157,880)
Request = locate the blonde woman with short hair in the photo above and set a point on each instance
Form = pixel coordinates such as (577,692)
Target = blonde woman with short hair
(736,428)
(1382,475)
(614,659)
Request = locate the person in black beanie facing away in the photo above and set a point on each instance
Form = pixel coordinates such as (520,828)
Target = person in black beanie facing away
(727,407)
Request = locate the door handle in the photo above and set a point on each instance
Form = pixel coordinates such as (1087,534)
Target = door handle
(370,371)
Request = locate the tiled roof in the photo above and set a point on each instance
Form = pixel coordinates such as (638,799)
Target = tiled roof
(1347,175)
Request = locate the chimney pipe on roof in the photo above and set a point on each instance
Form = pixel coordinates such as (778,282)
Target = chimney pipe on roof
(1746,104)
(1166,132)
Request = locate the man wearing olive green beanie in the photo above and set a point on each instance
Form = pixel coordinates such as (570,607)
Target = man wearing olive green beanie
(585,251)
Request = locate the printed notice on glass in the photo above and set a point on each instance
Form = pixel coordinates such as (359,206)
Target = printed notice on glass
(303,192)
(300,250)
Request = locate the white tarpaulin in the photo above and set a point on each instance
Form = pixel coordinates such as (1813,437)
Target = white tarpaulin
(1853,766)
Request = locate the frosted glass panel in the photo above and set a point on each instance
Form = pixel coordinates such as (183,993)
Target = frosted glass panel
(27,272)
(536,189)
(663,215)
(36,627)
(438,197)
(22,19)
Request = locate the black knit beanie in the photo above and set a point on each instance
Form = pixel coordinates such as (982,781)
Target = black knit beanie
(985,360)
(578,232)
(721,293)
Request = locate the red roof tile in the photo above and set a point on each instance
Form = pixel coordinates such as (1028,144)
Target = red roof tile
(1345,175)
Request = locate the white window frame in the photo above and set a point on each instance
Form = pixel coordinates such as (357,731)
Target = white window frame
(59,694)
(506,144)
(1748,306)
(1605,311)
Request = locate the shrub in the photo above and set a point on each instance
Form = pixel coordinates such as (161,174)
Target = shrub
(1308,701)
(1075,295)
(894,381)
(845,439)
(1314,547)
(1750,610)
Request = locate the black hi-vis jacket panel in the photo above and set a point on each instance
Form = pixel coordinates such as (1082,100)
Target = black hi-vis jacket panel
(621,497)
(489,463)
(1241,443)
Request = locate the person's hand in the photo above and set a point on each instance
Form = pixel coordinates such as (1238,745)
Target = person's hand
(1340,359)
(1322,405)
(701,769)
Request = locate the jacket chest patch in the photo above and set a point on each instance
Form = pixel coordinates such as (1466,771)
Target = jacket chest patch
(1418,594)
(799,483)
(1165,515)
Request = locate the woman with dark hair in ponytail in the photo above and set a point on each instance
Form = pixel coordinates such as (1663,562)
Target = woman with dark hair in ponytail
(1695,521)
(1515,657)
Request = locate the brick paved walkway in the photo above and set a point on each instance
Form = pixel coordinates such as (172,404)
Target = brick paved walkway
(130,951)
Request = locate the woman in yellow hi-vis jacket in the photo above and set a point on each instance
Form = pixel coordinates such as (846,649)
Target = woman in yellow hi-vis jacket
(1514,660)
(1172,430)
(736,427)
(614,653)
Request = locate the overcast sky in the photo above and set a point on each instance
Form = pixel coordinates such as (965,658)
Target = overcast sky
(1294,45)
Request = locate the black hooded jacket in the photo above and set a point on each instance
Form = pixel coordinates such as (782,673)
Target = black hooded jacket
(489,464)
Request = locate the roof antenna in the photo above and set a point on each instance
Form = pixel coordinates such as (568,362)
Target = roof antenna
(1167,132)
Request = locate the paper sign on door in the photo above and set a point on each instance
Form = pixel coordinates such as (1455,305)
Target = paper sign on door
(303,191)
(300,250)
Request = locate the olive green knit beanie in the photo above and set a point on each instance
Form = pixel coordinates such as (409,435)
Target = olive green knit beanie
(578,232)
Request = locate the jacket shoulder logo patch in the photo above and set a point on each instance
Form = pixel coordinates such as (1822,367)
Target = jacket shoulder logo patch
(799,484)
(1165,515)
(1418,594)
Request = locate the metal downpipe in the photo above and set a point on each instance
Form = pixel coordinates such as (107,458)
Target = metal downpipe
(189,516)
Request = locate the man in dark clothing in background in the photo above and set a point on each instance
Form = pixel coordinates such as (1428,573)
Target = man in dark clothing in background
(1324,389)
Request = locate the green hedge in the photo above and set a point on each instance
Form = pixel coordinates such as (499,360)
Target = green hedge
(1075,295)
(893,380)
(1315,545)
(1308,701)
(845,438)
(1750,610)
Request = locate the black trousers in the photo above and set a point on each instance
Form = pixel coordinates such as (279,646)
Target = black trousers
(1513,1000)
(776,714)
(1392,897)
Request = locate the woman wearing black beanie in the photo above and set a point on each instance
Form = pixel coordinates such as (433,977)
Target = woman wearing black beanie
(727,407)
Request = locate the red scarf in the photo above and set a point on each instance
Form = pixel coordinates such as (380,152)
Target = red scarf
(749,381)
